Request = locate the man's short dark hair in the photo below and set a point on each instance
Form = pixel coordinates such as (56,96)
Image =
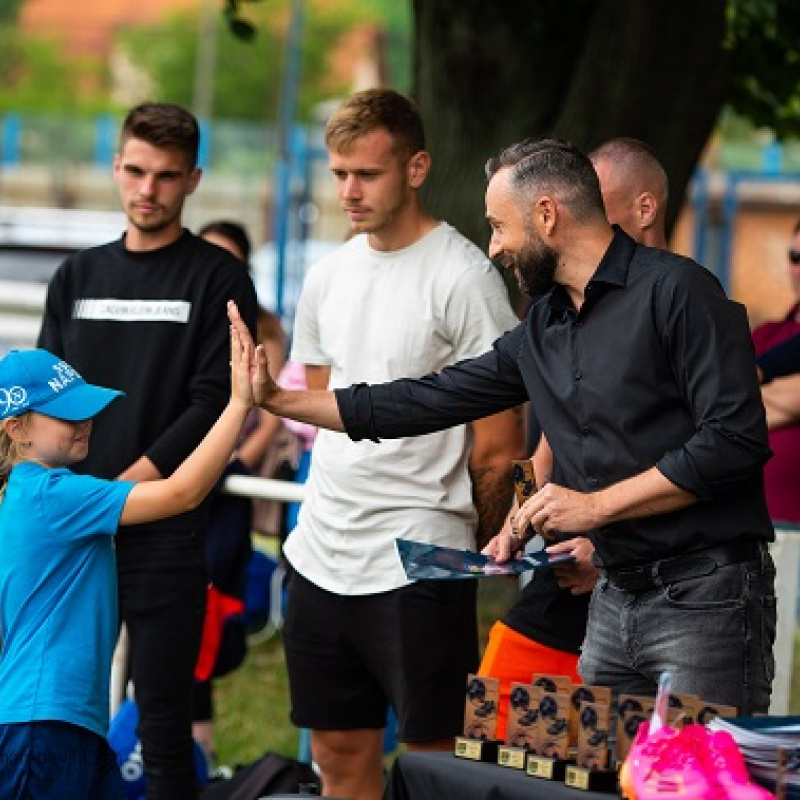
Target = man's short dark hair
(371,110)
(552,166)
(163,125)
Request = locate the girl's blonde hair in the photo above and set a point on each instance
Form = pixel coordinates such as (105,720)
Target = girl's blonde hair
(9,454)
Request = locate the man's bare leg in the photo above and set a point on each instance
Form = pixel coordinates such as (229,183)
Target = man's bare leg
(350,763)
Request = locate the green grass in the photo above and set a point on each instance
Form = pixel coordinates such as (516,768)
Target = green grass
(252,703)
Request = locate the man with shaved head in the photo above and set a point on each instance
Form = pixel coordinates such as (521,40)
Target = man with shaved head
(634,187)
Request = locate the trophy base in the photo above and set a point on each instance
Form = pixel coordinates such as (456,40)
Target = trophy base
(476,749)
(512,757)
(591,780)
(549,769)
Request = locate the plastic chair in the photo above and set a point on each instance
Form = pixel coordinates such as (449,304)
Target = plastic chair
(264,597)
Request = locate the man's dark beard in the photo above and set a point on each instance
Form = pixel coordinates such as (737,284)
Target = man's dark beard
(535,267)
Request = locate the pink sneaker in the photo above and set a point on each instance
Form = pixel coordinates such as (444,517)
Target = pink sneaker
(664,766)
(723,763)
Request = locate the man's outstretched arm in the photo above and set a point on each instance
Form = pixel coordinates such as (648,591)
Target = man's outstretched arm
(316,407)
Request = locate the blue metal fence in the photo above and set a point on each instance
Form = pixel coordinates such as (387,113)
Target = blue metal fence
(35,139)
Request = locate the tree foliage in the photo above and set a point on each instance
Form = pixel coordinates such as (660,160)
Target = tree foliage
(485,74)
(36,78)
(587,70)
(251,51)
(9,11)
(765,84)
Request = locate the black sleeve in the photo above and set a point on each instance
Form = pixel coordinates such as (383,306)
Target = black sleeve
(708,339)
(466,391)
(783,359)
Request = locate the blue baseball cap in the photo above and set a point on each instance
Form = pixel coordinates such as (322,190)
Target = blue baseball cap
(35,380)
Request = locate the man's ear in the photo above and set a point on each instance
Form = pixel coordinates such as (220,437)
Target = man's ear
(646,209)
(418,166)
(545,215)
(194,179)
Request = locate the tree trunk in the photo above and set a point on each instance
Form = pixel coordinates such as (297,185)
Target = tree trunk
(488,74)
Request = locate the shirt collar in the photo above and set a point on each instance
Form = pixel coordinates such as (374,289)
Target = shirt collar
(612,271)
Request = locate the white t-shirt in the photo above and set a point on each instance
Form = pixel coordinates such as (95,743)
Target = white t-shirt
(373,317)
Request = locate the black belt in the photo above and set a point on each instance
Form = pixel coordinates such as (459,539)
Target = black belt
(642,577)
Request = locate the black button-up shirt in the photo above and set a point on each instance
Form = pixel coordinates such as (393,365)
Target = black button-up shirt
(656,369)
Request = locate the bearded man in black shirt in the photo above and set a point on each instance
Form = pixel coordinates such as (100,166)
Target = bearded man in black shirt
(642,375)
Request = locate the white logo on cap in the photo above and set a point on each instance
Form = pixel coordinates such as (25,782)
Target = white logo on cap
(15,397)
(65,375)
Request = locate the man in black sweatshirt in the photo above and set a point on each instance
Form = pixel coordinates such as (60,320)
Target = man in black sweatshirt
(146,314)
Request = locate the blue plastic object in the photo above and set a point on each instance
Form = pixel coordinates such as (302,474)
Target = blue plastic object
(124,741)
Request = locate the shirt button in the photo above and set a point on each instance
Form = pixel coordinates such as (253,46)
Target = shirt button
(585,430)
(593,482)
(578,374)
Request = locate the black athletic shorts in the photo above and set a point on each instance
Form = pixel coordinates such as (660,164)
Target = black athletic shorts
(350,657)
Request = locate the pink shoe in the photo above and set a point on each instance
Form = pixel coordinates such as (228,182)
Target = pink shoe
(723,763)
(663,766)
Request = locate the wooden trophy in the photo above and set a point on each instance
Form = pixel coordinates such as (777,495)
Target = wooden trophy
(524,480)
(479,742)
(705,712)
(523,712)
(682,710)
(552,683)
(590,771)
(583,693)
(552,738)
(632,711)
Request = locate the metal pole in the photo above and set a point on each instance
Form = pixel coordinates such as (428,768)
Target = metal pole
(206,61)
(264,488)
(283,170)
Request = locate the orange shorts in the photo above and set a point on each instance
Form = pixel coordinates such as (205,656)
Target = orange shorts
(510,656)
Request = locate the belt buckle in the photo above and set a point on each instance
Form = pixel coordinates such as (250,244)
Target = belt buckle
(632,580)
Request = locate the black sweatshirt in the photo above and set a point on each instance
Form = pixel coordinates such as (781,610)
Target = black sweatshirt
(154,325)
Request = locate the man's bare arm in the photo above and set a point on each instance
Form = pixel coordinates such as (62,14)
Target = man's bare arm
(317,376)
(782,401)
(555,508)
(497,442)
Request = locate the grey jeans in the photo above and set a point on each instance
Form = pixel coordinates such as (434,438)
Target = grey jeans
(714,634)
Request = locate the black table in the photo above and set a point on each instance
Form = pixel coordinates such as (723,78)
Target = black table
(441,776)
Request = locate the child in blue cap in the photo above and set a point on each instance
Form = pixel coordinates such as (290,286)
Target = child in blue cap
(58,595)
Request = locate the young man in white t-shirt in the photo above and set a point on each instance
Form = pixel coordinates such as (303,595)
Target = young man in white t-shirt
(406,295)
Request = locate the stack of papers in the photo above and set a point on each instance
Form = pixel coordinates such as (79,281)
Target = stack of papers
(421,560)
(771,749)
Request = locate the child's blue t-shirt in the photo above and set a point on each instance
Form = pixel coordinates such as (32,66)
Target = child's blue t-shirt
(58,595)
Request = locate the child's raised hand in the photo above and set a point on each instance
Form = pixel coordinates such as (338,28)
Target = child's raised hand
(242,361)
(261,385)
